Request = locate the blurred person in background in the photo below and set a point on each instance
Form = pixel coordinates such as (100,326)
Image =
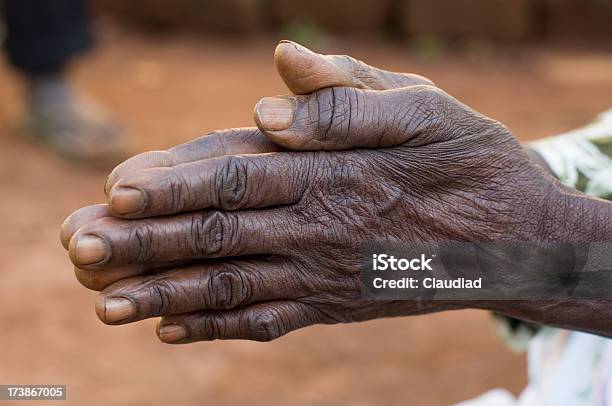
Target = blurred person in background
(42,38)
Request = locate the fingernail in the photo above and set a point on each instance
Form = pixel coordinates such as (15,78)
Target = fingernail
(126,200)
(114,309)
(295,45)
(172,333)
(276,113)
(90,249)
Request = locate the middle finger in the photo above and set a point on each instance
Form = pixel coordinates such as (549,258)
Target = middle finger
(110,243)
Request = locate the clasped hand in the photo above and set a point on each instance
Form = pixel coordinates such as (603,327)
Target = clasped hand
(251,233)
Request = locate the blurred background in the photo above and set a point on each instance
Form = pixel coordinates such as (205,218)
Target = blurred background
(172,70)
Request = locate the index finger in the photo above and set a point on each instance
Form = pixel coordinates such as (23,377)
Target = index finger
(215,144)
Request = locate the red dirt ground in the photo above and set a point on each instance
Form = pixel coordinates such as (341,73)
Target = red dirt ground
(169,90)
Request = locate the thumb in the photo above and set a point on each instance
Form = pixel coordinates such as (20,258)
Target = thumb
(338,118)
(304,71)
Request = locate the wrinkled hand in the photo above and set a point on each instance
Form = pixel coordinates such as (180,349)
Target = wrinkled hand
(303,72)
(255,246)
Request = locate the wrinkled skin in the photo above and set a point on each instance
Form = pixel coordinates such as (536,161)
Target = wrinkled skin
(254,246)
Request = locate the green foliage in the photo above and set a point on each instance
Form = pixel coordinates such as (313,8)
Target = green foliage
(428,46)
(306,33)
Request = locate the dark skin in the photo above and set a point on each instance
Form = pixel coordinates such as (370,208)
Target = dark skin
(256,241)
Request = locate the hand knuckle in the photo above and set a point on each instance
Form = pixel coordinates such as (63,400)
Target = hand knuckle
(430,97)
(426,112)
(162,296)
(358,69)
(213,327)
(331,111)
(178,187)
(213,233)
(231,183)
(141,245)
(266,325)
(227,289)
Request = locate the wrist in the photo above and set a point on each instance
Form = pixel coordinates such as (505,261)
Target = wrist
(570,216)
(576,218)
